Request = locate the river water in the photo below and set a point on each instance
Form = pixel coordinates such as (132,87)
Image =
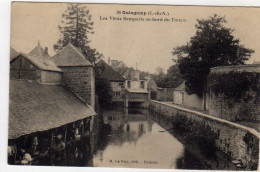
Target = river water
(135,138)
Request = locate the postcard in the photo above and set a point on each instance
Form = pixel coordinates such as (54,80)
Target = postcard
(134,86)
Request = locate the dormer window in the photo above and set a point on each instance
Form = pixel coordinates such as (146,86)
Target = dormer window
(128,84)
(141,84)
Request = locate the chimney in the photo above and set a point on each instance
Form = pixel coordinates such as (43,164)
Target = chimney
(109,61)
(135,75)
(46,50)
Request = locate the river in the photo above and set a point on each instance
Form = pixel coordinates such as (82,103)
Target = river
(135,138)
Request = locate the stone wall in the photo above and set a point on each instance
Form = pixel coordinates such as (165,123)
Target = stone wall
(236,68)
(245,108)
(165,94)
(232,110)
(238,141)
(81,81)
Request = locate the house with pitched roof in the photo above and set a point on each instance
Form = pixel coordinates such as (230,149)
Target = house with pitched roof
(40,52)
(48,102)
(35,66)
(78,73)
(139,85)
(13,53)
(181,97)
(116,80)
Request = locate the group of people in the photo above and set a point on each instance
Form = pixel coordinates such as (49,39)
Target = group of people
(25,149)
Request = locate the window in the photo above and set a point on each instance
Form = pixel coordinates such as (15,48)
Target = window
(116,93)
(128,84)
(142,84)
(121,84)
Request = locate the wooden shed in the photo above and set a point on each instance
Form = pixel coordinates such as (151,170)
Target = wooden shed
(31,67)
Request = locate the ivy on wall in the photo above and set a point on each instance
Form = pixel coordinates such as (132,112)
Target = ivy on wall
(234,85)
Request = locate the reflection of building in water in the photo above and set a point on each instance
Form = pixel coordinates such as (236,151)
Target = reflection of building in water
(127,127)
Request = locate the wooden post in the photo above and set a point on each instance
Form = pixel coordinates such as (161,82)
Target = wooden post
(51,139)
(65,137)
(51,151)
(83,127)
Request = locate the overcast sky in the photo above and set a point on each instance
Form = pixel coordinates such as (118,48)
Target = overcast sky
(149,44)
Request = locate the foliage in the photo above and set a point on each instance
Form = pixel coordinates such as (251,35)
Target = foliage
(252,143)
(103,88)
(75,28)
(194,132)
(242,82)
(213,45)
(172,79)
(103,91)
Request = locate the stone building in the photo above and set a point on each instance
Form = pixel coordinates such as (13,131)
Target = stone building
(78,73)
(139,85)
(116,80)
(231,107)
(42,110)
(136,89)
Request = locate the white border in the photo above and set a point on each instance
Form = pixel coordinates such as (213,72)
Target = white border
(4,73)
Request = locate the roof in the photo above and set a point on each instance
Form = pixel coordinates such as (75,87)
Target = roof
(115,64)
(70,56)
(13,53)
(41,62)
(142,75)
(256,62)
(181,87)
(35,107)
(137,90)
(38,51)
(108,72)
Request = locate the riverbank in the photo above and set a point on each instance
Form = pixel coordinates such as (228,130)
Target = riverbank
(241,143)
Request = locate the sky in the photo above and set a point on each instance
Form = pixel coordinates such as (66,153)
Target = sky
(146,43)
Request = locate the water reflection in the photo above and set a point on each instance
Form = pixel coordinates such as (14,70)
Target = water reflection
(134,140)
(196,155)
(138,139)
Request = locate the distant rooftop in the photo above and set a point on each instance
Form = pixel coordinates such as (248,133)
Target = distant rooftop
(70,56)
(38,51)
(181,87)
(41,63)
(13,53)
(108,72)
(256,62)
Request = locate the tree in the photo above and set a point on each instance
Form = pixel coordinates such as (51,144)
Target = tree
(75,28)
(172,79)
(103,88)
(213,45)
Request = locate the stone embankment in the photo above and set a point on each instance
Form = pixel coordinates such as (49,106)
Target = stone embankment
(241,143)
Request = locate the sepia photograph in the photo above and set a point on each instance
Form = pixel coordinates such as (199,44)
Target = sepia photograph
(134,86)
